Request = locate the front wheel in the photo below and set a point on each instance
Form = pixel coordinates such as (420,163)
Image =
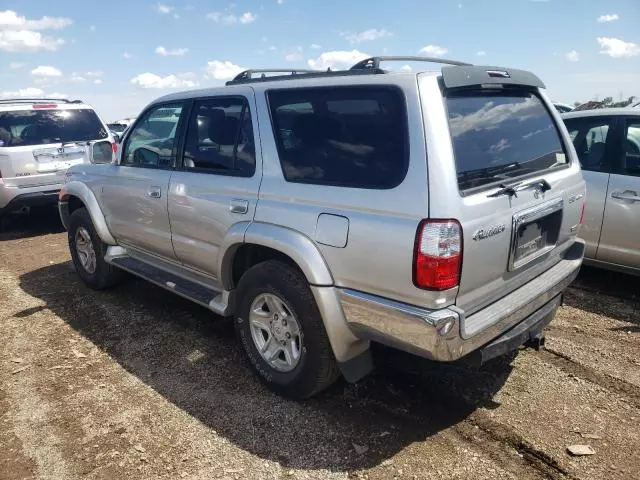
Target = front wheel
(88,251)
(282,332)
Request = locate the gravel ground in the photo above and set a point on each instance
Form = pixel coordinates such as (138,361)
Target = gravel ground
(136,383)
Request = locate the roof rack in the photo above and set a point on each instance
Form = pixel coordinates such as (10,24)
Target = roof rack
(373,63)
(247,74)
(38,100)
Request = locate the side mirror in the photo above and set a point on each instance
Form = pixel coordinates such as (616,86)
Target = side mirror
(101,152)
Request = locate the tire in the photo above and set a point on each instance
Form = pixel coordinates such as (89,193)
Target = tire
(315,368)
(81,233)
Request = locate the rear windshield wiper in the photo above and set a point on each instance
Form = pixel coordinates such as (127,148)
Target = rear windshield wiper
(512,190)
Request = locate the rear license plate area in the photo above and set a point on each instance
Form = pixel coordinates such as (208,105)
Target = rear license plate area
(535,232)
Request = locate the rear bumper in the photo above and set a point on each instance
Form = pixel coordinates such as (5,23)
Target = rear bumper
(446,334)
(12,199)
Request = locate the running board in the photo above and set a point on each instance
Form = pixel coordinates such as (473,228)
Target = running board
(212,299)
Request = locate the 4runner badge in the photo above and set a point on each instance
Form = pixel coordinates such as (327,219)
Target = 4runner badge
(489,232)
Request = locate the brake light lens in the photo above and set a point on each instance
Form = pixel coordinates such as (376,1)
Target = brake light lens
(114,147)
(582,213)
(40,106)
(437,257)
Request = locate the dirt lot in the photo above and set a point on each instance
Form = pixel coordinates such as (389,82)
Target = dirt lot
(138,383)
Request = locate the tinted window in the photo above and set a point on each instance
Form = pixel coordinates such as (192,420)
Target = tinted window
(500,136)
(152,141)
(355,137)
(220,137)
(589,136)
(39,127)
(632,149)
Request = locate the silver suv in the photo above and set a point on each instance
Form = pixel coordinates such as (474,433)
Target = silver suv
(39,140)
(433,212)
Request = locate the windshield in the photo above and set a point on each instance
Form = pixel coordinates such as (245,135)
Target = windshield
(501,136)
(38,127)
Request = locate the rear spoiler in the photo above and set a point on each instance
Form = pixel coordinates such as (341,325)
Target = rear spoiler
(466,76)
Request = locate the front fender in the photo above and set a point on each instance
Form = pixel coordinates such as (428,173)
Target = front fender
(86,196)
(290,242)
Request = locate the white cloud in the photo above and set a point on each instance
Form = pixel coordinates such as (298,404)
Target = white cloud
(315,46)
(77,78)
(616,48)
(231,19)
(46,71)
(434,50)
(337,60)
(280,2)
(481,53)
(96,73)
(164,9)
(10,20)
(171,51)
(23,92)
(406,68)
(16,65)
(222,70)
(27,41)
(367,35)
(572,56)
(127,55)
(608,18)
(97,81)
(151,80)
(295,55)
(272,48)
(248,17)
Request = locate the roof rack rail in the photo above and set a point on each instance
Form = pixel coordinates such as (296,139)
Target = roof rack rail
(373,63)
(248,74)
(38,100)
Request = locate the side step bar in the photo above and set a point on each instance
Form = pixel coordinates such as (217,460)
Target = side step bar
(212,299)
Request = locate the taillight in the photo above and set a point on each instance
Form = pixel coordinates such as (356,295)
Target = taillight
(437,258)
(584,203)
(114,147)
(40,106)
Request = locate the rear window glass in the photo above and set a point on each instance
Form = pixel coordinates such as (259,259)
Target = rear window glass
(38,127)
(497,137)
(352,137)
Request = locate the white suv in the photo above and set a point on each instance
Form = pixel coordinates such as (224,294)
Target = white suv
(39,140)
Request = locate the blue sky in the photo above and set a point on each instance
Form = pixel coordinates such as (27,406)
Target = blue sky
(120,55)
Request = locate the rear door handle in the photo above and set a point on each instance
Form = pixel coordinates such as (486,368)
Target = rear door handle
(238,205)
(154,192)
(628,195)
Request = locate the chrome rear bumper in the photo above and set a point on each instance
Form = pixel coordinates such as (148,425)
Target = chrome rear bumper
(446,334)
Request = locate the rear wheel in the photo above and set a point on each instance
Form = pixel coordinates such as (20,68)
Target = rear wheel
(282,332)
(88,251)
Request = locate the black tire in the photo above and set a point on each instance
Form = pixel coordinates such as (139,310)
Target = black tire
(316,369)
(104,276)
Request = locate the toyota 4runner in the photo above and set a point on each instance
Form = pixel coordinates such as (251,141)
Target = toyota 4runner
(434,212)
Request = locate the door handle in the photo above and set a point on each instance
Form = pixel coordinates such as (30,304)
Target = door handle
(628,195)
(238,205)
(154,192)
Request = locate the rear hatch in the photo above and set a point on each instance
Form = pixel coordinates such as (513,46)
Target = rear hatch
(38,145)
(511,180)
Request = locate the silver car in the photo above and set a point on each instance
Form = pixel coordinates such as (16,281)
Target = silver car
(39,140)
(608,145)
(434,212)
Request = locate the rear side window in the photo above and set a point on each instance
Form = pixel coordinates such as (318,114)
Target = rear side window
(40,127)
(589,137)
(500,136)
(350,137)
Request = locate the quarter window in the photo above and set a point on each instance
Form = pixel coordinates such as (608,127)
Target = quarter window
(350,137)
(152,142)
(220,138)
